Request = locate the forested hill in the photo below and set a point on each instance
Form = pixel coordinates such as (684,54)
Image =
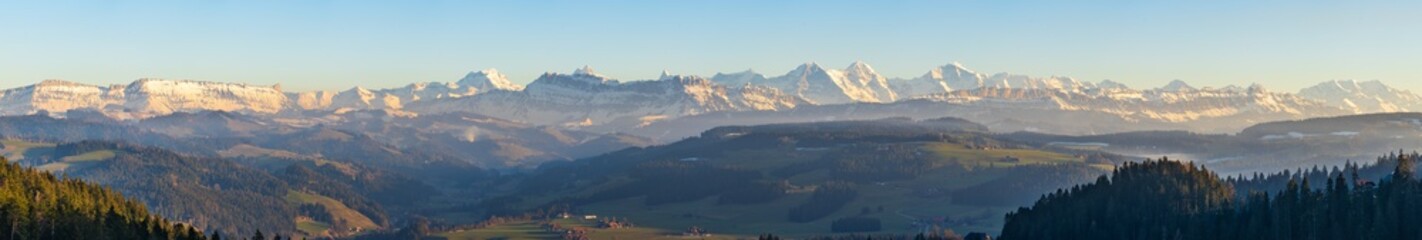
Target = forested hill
(1172,200)
(37,205)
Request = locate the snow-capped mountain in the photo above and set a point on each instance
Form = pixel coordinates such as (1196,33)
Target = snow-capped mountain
(857,83)
(940,80)
(145,97)
(587,98)
(955,76)
(57,96)
(362,98)
(1170,104)
(1364,97)
(168,96)
(1108,84)
(477,82)
(590,100)
(1177,86)
(486,80)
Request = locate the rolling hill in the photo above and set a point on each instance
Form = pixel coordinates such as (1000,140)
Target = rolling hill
(796,179)
(223,195)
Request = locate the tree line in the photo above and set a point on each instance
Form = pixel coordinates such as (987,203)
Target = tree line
(1162,199)
(38,205)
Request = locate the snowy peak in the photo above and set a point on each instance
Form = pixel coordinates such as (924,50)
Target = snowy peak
(488,80)
(806,70)
(1177,86)
(863,74)
(587,71)
(587,74)
(362,99)
(955,77)
(859,68)
(952,70)
(813,82)
(1108,84)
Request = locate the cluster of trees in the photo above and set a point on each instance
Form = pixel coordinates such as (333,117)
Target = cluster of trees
(1172,200)
(827,199)
(879,163)
(867,162)
(37,205)
(856,224)
(1381,168)
(316,212)
(759,192)
(1147,200)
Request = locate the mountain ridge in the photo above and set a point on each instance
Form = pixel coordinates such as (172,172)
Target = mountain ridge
(585,98)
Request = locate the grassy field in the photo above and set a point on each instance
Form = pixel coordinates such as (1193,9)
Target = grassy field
(15,150)
(311,227)
(993,157)
(90,156)
(68,162)
(338,210)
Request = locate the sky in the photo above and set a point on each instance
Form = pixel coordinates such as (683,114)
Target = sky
(335,45)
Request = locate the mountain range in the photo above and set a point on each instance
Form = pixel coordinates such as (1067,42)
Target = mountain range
(585,99)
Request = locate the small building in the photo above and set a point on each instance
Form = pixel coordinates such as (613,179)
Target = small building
(589,217)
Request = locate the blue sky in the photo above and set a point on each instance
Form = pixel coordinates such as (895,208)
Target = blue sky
(332,45)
